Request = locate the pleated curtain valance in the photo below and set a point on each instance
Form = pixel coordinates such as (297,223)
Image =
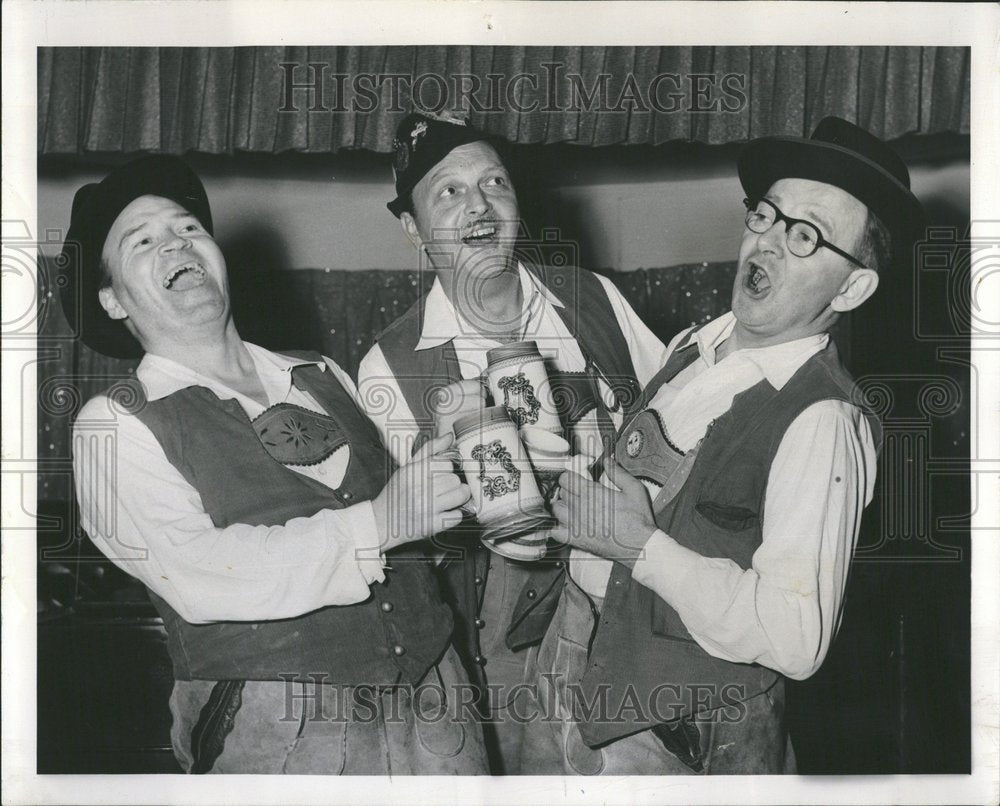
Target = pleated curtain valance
(321,100)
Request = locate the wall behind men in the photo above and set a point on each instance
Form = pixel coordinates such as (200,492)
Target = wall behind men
(624,208)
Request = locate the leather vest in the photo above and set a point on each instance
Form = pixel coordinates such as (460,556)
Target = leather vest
(395,635)
(642,658)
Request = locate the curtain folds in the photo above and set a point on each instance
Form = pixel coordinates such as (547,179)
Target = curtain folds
(324,99)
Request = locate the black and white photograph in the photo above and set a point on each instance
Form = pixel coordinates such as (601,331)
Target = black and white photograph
(533,394)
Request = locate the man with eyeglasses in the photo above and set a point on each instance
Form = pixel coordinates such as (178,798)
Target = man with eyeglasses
(740,478)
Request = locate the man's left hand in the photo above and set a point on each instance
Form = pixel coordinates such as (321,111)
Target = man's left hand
(614,524)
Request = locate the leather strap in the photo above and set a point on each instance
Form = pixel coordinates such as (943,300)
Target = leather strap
(215,723)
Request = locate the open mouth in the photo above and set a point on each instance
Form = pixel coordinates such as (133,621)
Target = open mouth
(185,276)
(757,281)
(482,232)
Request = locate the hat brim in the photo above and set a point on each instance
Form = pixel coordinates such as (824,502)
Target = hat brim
(763,162)
(95,209)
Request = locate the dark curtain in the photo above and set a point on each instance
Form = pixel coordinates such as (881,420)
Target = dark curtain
(222,100)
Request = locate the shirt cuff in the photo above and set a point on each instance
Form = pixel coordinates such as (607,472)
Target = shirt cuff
(358,521)
(666,567)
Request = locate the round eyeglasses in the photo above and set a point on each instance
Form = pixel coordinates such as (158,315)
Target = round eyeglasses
(803,237)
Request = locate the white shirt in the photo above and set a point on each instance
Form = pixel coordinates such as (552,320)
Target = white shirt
(384,401)
(141,512)
(784,610)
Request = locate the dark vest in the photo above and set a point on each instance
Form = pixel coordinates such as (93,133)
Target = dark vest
(213,445)
(590,318)
(587,314)
(641,652)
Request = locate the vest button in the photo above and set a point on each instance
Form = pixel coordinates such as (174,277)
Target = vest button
(559,563)
(531,594)
(480,660)
(346,496)
(399,651)
(480,623)
(478,580)
(386,607)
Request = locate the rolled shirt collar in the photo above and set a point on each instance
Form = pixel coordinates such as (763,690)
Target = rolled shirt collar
(777,363)
(163,376)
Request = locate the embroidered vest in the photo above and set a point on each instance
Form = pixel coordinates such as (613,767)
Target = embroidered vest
(642,658)
(395,635)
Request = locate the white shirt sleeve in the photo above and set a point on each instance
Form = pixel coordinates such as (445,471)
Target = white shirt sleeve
(784,610)
(647,351)
(380,396)
(144,516)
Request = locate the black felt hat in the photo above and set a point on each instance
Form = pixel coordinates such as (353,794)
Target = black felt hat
(95,208)
(845,156)
(421,143)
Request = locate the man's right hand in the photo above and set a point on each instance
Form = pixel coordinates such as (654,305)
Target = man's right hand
(422,497)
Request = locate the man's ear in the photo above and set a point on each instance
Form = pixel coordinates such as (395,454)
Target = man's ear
(409,224)
(859,285)
(109,301)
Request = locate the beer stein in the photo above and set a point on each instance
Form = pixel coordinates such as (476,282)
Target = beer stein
(520,383)
(549,454)
(508,504)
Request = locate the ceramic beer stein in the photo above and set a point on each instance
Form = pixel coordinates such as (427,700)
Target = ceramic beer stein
(520,383)
(549,454)
(509,506)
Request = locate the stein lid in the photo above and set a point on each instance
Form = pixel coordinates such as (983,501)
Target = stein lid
(521,349)
(480,419)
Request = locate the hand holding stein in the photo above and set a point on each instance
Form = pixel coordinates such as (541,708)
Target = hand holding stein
(456,400)
(422,498)
(508,503)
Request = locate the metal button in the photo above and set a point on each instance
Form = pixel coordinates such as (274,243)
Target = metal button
(478,580)
(386,607)
(531,594)
(399,650)
(480,660)
(559,563)
(480,623)
(346,496)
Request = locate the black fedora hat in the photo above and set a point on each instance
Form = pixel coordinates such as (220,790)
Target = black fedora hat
(421,142)
(95,208)
(846,156)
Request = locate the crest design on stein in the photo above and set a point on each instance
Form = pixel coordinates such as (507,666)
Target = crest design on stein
(493,457)
(519,399)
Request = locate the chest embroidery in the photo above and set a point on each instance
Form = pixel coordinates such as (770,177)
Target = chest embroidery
(296,436)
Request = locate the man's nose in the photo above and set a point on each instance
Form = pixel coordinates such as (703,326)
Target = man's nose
(174,242)
(773,238)
(476,203)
